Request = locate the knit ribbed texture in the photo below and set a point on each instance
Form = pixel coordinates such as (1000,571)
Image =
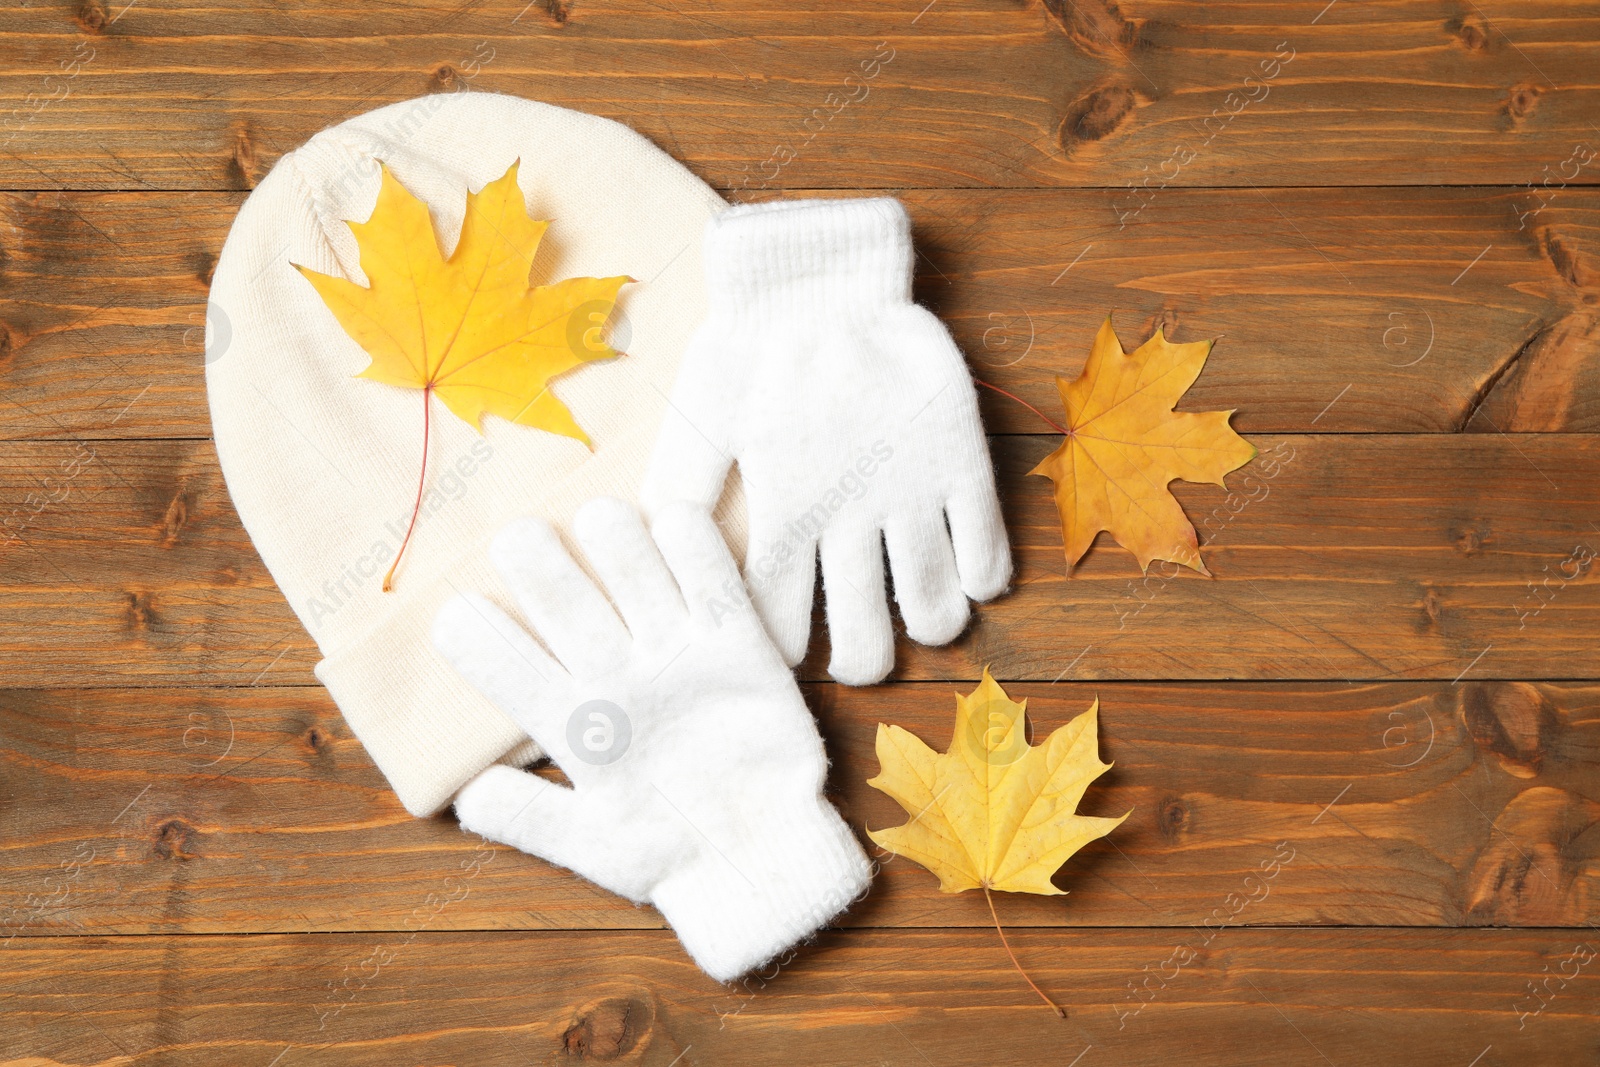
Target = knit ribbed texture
(811,256)
(696,768)
(323,466)
(854,423)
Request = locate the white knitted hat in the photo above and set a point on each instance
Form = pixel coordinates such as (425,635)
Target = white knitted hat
(323,466)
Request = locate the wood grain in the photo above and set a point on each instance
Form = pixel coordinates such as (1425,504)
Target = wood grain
(180,811)
(1371,310)
(754,95)
(1337,557)
(1250,998)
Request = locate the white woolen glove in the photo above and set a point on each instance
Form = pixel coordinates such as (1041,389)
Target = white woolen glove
(852,417)
(696,767)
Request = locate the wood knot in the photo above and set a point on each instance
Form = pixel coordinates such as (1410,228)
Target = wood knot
(138,612)
(446,78)
(1172,818)
(316,740)
(5,344)
(1431,611)
(1513,721)
(1470,31)
(176,518)
(243,166)
(176,840)
(1095,115)
(1096,26)
(91,16)
(1470,539)
(1567,260)
(557,11)
(609,1028)
(1521,102)
(1525,875)
(204,265)
(1536,389)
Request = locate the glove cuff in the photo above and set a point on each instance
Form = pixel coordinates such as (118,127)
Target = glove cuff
(739,909)
(805,256)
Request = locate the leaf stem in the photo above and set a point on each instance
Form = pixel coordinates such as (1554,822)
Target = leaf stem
(1060,1012)
(1060,429)
(422,480)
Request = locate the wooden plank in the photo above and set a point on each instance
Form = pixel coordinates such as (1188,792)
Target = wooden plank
(103,312)
(1392,310)
(756,94)
(1341,557)
(1407,804)
(1414,309)
(1422,997)
(1362,557)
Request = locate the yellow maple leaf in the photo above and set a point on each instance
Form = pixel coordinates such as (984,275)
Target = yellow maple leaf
(992,812)
(1125,444)
(468,329)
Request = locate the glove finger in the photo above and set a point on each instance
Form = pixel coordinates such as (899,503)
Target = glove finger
(636,577)
(546,820)
(978,534)
(692,455)
(983,557)
(780,573)
(701,565)
(859,631)
(926,585)
(558,599)
(499,659)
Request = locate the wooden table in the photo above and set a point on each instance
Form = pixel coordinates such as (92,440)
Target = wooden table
(1385,211)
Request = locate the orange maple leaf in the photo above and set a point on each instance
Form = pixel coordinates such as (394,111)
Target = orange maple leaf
(1125,444)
